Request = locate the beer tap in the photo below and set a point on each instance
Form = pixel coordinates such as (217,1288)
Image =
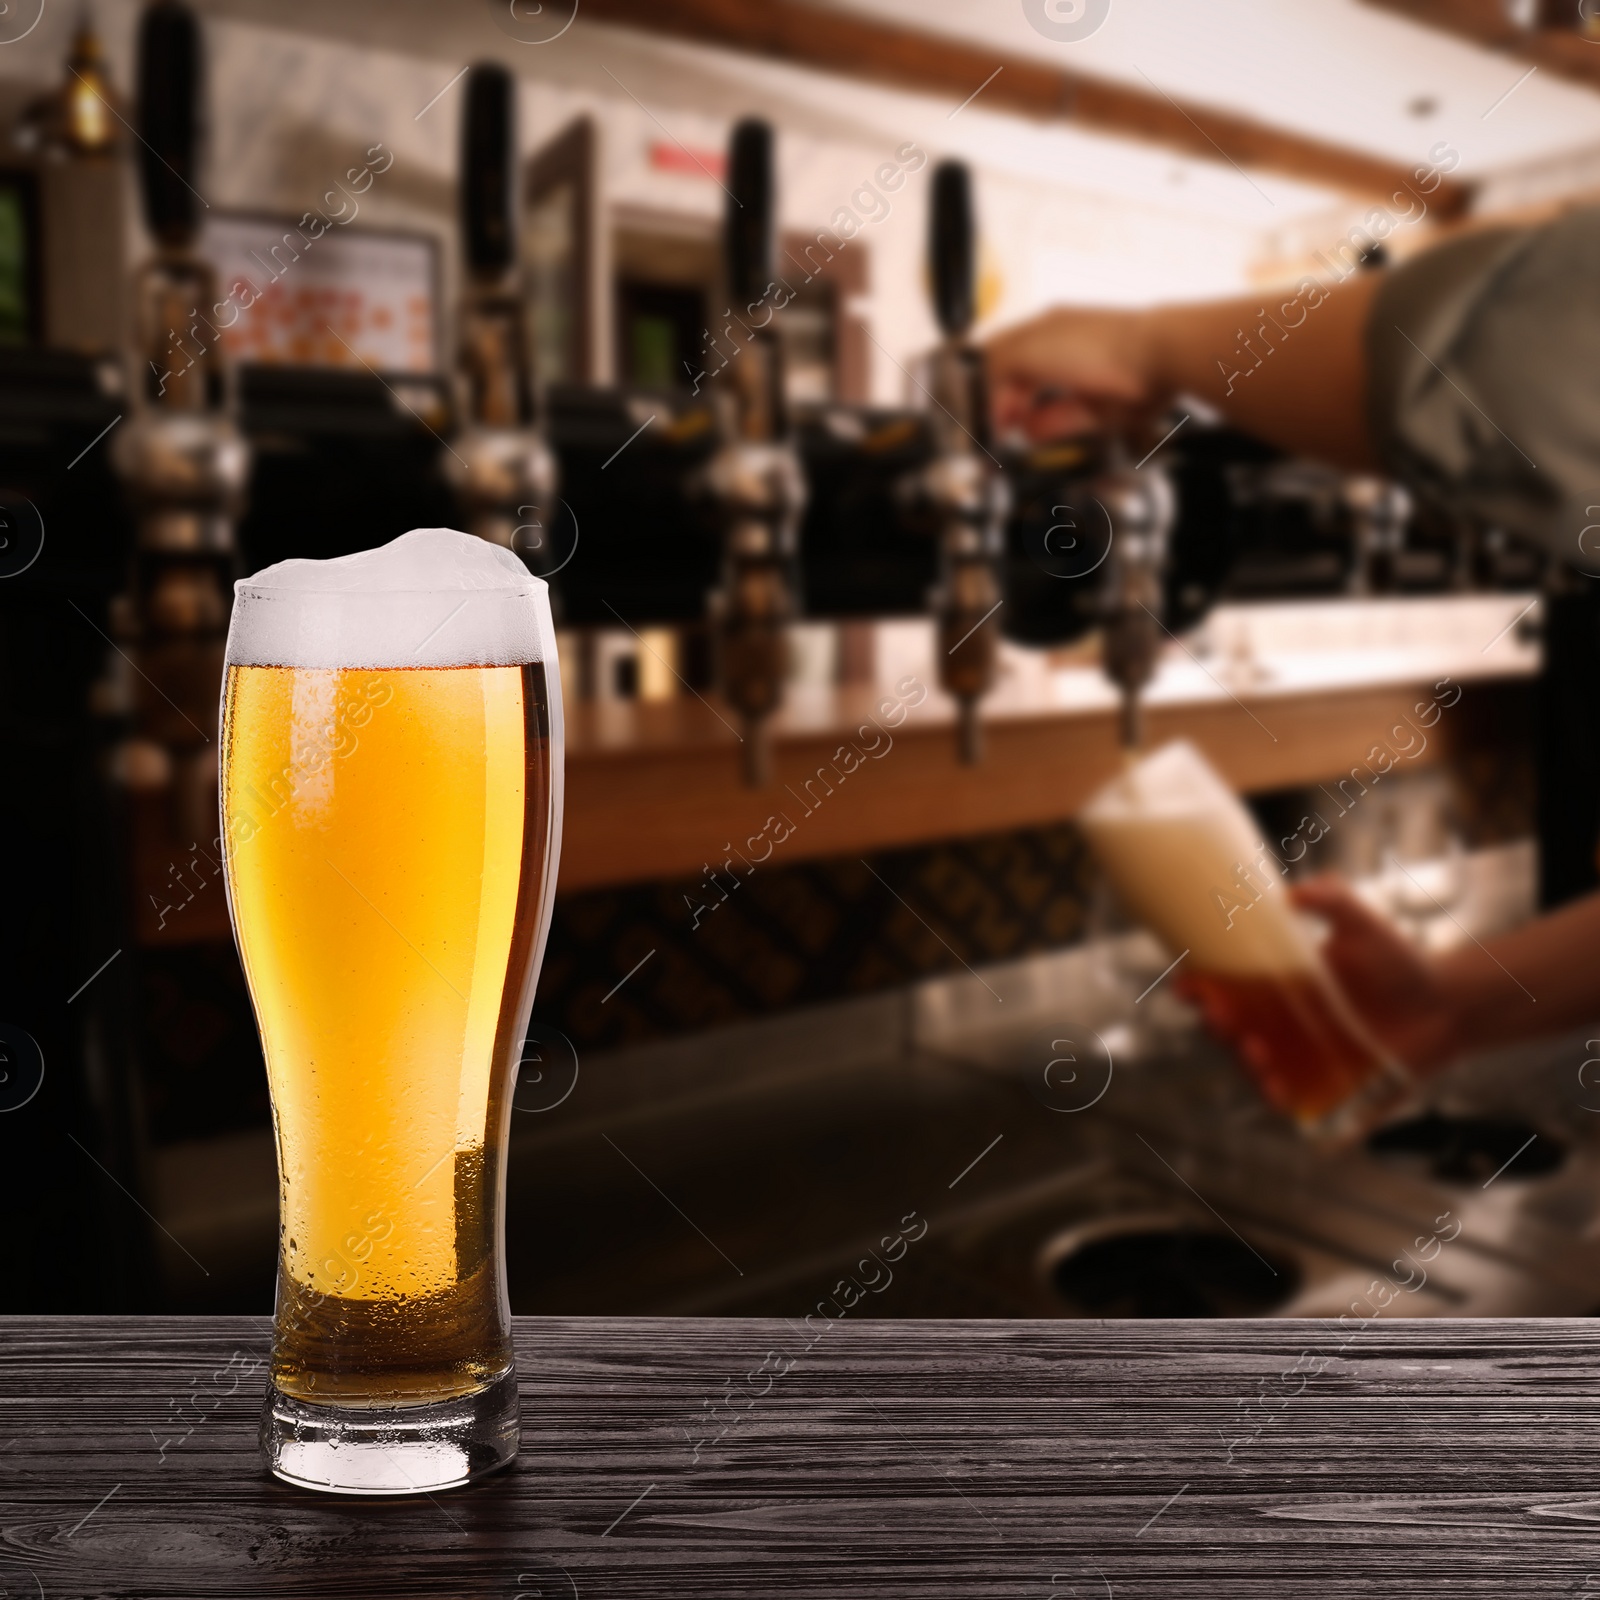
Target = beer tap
(1378,512)
(754,481)
(959,495)
(182,460)
(500,465)
(1137,502)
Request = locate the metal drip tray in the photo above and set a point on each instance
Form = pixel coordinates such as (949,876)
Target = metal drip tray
(1167,1267)
(1467,1149)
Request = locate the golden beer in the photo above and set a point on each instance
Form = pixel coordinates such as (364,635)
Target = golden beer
(389,835)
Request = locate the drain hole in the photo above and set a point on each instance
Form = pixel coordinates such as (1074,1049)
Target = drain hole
(1174,1272)
(1471,1149)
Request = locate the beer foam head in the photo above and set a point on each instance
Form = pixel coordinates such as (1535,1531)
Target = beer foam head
(431,598)
(1189,862)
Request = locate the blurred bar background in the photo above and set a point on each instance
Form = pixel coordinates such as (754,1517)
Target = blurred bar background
(824,920)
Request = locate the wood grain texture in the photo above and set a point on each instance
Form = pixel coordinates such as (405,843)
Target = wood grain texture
(653,791)
(932,1459)
(859,46)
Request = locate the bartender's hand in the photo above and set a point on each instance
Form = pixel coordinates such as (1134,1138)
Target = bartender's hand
(1402,996)
(1073,371)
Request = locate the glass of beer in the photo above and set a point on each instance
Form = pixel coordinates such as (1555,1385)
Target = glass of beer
(1184,855)
(391,801)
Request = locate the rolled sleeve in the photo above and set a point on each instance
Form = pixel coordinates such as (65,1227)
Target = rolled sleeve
(1485,379)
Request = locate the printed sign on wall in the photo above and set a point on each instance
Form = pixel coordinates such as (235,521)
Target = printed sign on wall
(334,298)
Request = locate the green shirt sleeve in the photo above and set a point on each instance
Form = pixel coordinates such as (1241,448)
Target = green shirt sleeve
(1485,380)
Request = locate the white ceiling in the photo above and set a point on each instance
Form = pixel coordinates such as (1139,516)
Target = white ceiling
(672,76)
(1061,154)
(1334,70)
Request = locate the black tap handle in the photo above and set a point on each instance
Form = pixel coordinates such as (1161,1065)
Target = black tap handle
(171,71)
(952,248)
(750,211)
(488,170)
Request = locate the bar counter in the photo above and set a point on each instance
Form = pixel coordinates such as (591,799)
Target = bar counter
(843,1458)
(1285,695)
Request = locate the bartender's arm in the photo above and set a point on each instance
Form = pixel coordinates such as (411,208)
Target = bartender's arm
(1074,371)
(1471,373)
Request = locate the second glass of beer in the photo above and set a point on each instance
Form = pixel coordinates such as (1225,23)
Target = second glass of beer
(1182,852)
(391,797)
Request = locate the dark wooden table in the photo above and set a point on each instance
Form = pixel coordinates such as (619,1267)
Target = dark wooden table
(1025,1459)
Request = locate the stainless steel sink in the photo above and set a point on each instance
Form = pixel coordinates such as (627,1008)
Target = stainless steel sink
(1189,1149)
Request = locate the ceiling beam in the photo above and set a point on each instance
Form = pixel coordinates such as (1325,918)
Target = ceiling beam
(1562,51)
(851,45)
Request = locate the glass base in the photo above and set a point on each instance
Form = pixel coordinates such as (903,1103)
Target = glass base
(1384,1096)
(392,1450)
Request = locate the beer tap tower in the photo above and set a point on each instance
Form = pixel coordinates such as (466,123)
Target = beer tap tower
(183,467)
(500,466)
(183,462)
(754,481)
(959,495)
